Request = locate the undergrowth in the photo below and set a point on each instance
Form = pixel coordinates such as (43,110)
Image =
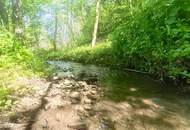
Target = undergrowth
(16,60)
(102,53)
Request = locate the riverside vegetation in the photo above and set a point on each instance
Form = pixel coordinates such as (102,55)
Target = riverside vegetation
(152,37)
(146,36)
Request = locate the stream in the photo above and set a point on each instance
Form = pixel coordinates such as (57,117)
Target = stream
(132,101)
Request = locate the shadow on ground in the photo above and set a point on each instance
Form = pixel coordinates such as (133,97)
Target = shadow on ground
(136,102)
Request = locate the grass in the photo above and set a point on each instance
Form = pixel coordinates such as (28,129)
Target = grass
(5,100)
(15,61)
(102,53)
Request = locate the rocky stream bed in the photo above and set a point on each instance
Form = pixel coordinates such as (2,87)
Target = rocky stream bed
(73,99)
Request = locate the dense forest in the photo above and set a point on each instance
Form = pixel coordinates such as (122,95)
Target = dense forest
(151,36)
(147,36)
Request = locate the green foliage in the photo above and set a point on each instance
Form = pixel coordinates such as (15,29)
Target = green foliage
(5,101)
(101,54)
(13,53)
(15,60)
(155,38)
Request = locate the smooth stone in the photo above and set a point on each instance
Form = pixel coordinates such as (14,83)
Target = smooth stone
(55,78)
(67,82)
(87,101)
(78,126)
(75,95)
(87,107)
(93,86)
(93,97)
(75,101)
(93,92)
(82,83)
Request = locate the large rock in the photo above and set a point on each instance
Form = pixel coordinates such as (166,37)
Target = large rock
(67,82)
(82,112)
(75,101)
(93,92)
(87,107)
(87,101)
(82,83)
(93,86)
(75,95)
(55,78)
(92,96)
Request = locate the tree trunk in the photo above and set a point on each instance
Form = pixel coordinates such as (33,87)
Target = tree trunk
(3,14)
(55,32)
(131,7)
(69,22)
(17,16)
(96,23)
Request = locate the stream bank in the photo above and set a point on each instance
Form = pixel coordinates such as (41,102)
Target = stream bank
(87,97)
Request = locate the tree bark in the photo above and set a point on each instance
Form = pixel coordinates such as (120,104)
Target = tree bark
(3,14)
(131,7)
(96,23)
(17,16)
(55,32)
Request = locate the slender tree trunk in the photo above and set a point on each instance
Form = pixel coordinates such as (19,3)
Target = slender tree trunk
(70,26)
(131,6)
(55,32)
(96,23)
(3,14)
(17,20)
(69,21)
(17,16)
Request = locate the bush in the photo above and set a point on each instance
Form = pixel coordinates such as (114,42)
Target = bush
(156,38)
(15,60)
(101,54)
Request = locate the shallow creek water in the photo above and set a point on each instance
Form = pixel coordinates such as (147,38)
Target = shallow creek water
(133,101)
